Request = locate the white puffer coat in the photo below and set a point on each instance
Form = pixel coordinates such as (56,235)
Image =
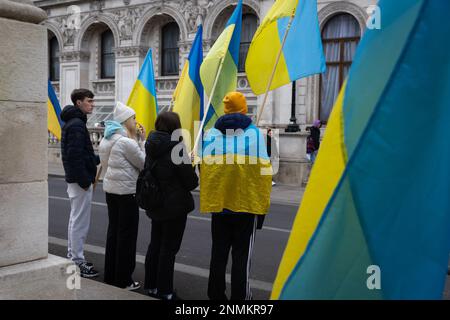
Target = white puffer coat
(122,159)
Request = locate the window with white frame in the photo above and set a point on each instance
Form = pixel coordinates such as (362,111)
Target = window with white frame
(340,37)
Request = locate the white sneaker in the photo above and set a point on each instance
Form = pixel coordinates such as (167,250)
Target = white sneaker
(273,183)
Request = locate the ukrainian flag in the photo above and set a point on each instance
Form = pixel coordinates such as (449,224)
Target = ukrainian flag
(54,122)
(302,54)
(235,173)
(378,192)
(143,96)
(188,96)
(225,50)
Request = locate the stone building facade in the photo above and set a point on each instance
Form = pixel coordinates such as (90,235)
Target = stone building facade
(101,45)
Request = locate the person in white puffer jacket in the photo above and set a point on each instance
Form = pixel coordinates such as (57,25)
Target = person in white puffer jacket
(122,156)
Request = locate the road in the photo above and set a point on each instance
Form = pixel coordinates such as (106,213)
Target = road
(192,264)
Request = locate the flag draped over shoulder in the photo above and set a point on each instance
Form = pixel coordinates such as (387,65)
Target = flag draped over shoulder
(188,96)
(143,96)
(54,122)
(378,192)
(235,173)
(225,50)
(302,54)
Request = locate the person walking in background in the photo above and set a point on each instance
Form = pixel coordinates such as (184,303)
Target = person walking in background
(80,167)
(313,140)
(169,220)
(122,157)
(237,194)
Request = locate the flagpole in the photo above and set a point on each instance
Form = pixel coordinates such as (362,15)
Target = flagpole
(207,108)
(258,118)
(97,177)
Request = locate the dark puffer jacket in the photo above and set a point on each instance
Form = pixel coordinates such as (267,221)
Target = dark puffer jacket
(79,161)
(175,180)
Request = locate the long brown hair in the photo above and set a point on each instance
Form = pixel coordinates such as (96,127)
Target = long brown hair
(168,121)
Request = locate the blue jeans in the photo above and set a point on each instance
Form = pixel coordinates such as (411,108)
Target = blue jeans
(313,156)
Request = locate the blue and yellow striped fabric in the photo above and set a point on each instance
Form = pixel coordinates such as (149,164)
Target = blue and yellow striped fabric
(54,122)
(143,96)
(225,48)
(302,54)
(235,173)
(378,192)
(188,96)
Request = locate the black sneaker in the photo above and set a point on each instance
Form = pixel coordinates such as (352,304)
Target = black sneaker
(87,270)
(152,293)
(133,286)
(169,297)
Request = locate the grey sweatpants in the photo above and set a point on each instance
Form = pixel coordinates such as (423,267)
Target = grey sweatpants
(80,218)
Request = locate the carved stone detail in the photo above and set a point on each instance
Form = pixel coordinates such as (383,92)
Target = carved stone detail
(97,5)
(126,20)
(74,56)
(123,52)
(194,12)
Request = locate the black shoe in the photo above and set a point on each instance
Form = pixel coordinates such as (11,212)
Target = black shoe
(153,294)
(87,270)
(133,286)
(170,297)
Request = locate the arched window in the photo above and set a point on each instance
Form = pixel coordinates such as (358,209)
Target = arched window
(170,51)
(249,26)
(108,68)
(340,36)
(53,48)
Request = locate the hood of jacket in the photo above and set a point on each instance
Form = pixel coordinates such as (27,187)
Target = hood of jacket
(69,112)
(232,121)
(159,143)
(112,127)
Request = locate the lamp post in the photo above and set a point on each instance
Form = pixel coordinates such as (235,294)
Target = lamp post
(293,126)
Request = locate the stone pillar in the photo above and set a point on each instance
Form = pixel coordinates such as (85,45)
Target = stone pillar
(128,63)
(74,74)
(26,269)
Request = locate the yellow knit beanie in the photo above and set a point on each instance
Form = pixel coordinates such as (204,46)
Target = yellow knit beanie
(235,102)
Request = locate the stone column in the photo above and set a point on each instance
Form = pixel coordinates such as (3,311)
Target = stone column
(26,269)
(128,63)
(74,74)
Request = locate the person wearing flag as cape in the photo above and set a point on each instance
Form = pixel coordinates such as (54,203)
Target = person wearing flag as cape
(236,192)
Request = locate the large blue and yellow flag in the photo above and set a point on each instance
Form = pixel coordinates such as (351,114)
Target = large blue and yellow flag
(235,173)
(225,50)
(302,54)
(54,122)
(374,220)
(143,96)
(188,96)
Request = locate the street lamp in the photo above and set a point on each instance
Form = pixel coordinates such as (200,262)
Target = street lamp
(293,126)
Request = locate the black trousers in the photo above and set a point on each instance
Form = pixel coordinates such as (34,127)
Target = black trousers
(120,256)
(235,232)
(165,242)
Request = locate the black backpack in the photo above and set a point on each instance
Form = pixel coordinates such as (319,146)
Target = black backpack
(148,191)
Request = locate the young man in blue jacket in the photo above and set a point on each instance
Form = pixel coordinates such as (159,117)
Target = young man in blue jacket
(80,166)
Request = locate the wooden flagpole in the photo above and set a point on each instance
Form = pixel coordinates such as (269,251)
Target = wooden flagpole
(97,177)
(197,139)
(258,118)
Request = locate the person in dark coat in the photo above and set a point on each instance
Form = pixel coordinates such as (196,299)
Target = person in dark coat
(168,223)
(313,140)
(80,166)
